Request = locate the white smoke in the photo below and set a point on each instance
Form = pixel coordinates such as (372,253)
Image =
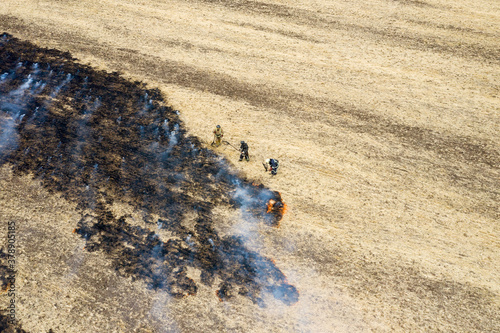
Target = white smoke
(8,134)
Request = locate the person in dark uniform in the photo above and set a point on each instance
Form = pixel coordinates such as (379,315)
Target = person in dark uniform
(244,151)
(272,165)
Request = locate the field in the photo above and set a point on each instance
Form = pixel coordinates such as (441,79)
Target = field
(385,118)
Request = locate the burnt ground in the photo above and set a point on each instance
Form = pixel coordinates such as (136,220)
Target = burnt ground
(93,136)
(7,327)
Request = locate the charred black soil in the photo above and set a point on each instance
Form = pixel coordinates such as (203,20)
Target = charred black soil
(95,138)
(7,327)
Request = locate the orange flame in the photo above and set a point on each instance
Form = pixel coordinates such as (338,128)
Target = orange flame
(284,208)
(270,205)
(281,209)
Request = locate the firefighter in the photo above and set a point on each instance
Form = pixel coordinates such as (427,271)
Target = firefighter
(272,165)
(218,134)
(244,151)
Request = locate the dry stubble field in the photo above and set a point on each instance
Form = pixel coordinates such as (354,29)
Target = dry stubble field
(384,116)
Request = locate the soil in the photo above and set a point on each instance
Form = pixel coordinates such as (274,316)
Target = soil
(383,115)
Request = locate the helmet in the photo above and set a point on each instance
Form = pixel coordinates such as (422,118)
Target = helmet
(218,126)
(242,142)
